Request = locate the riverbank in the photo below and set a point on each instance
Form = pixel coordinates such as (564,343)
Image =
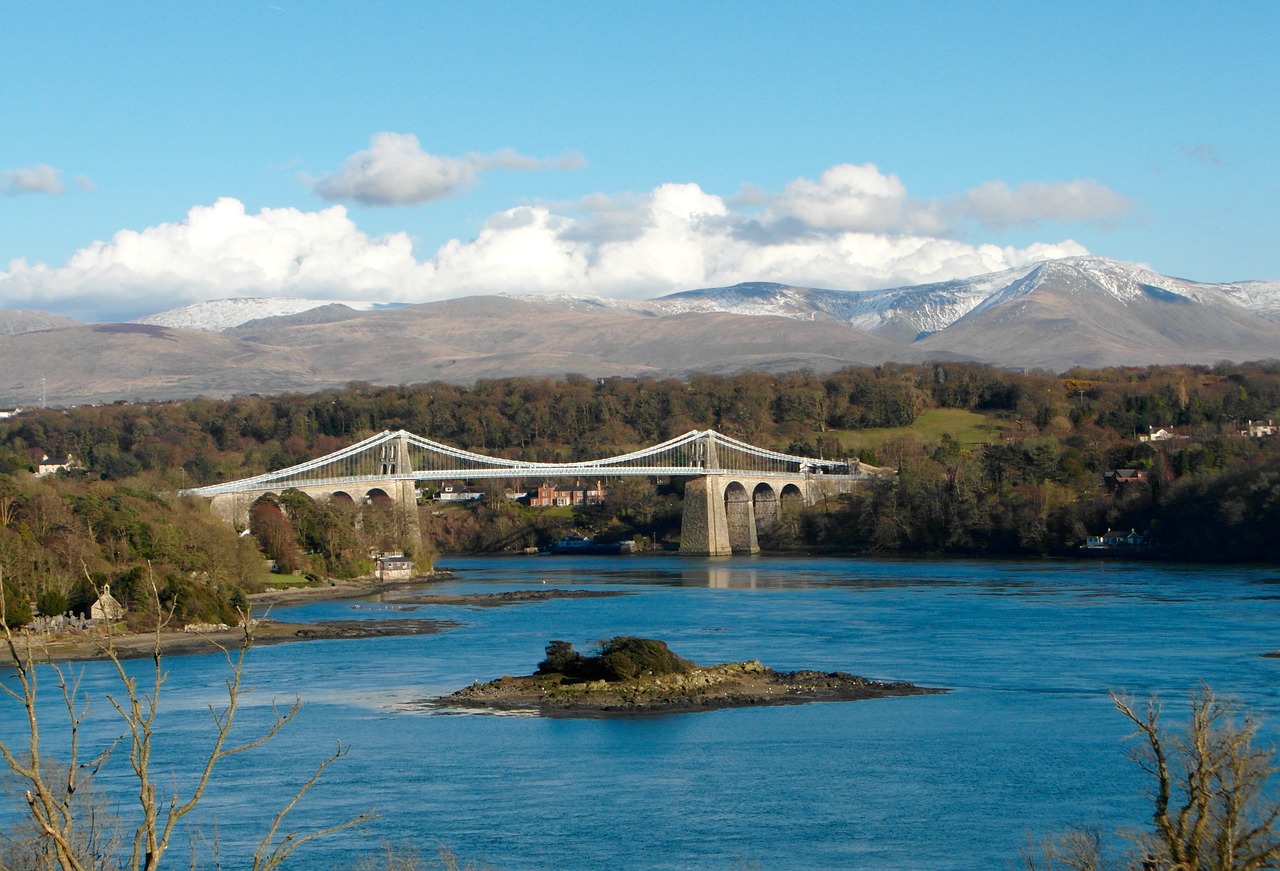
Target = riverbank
(140,645)
(87,646)
(336,590)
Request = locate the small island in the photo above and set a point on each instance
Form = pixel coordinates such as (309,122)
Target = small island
(635,676)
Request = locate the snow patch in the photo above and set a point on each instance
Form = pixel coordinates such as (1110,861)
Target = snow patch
(224,314)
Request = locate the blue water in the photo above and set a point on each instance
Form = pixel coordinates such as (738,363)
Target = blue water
(1026,743)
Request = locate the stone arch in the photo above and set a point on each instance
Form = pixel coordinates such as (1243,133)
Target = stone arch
(791,499)
(379,497)
(740,514)
(764,504)
(342,497)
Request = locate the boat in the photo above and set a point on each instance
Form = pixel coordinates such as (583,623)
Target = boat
(582,544)
(1119,543)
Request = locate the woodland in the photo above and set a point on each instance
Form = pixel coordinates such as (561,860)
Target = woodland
(1031,481)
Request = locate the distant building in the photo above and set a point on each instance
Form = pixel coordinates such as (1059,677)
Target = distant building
(106,608)
(550,495)
(1114,539)
(1119,480)
(1158,435)
(456,491)
(393,567)
(1257,429)
(46,466)
(6,413)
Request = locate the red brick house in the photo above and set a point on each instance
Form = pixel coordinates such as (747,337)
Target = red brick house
(549,495)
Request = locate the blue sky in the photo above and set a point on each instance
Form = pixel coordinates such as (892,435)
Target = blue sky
(158,154)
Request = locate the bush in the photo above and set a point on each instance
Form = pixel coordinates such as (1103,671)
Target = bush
(52,602)
(1214,808)
(562,659)
(625,657)
(17,609)
(622,657)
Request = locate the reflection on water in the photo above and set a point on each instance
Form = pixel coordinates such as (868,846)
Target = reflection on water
(1026,742)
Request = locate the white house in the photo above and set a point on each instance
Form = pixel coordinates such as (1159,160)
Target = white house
(46,466)
(1257,429)
(393,567)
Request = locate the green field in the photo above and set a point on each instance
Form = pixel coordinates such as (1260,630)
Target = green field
(966,427)
(277,581)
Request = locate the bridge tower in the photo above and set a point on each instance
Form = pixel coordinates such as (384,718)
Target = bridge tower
(391,477)
(719,513)
(397,464)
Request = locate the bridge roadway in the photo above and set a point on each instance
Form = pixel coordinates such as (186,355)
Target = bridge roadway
(725,509)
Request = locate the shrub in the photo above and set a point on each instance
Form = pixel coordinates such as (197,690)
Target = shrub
(52,602)
(562,659)
(625,657)
(622,657)
(17,608)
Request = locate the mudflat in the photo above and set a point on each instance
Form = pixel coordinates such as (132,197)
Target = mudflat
(139,645)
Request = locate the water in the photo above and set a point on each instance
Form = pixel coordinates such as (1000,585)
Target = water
(1026,743)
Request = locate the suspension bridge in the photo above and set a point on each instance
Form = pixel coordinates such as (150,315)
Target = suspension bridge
(735,491)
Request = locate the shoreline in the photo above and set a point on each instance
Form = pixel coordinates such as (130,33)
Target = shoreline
(337,590)
(268,632)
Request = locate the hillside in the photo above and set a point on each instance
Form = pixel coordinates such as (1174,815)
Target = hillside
(1083,311)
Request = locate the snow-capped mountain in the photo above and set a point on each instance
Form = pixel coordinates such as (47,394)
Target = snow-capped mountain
(900,314)
(223,314)
(1083,311)
(911,313)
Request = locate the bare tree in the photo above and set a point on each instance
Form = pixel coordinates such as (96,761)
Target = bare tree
(1074,850)
(51,796)
(1211,807)
(1211,810)
(97,838)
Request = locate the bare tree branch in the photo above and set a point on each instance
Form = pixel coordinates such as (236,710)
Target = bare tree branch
(73,842)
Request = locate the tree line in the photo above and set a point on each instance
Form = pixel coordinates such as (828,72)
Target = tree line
(1036,488)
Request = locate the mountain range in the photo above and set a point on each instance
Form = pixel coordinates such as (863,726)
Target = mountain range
(1058,314)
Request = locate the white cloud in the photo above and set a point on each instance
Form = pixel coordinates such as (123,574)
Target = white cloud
(850,198)
(221,251)
(679,236)
(853,228)
(38,179)
(854,198)
(395,171)
(996,205)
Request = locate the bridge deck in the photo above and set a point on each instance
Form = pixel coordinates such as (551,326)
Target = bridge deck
(403,456)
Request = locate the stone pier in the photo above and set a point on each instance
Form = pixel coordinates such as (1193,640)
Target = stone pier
(725,514)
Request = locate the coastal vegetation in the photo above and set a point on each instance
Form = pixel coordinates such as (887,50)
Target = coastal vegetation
(987,462)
